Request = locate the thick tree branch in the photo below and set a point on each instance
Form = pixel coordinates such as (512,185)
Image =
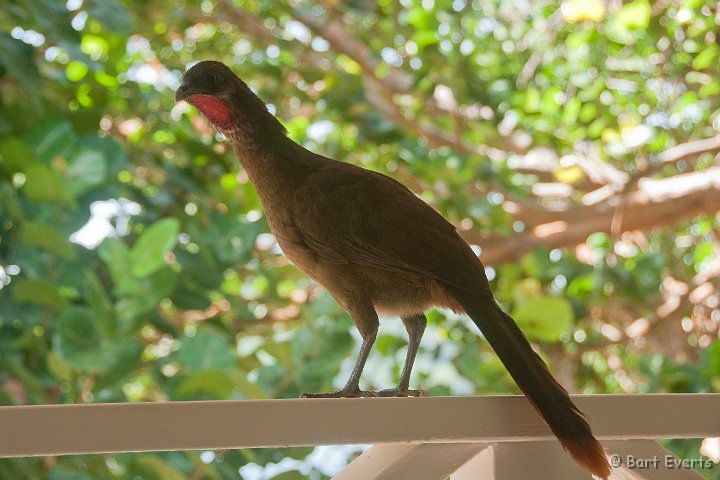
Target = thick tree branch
(654,203)
(684,151)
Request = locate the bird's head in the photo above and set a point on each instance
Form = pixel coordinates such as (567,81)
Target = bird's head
(209,87)
(224,99)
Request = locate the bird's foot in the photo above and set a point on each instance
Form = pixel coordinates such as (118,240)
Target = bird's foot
(344,393)
(399,392)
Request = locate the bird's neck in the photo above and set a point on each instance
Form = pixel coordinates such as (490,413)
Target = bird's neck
(274,163)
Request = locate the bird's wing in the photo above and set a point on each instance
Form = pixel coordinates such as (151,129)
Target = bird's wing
(347,214)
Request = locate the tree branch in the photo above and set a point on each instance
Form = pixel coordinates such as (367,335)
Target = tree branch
(655,202)
(554,22)
(436,137)
(332,30)
(396,81)
(246,21)
(684,151)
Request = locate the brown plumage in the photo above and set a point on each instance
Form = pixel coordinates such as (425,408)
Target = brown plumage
(377,248)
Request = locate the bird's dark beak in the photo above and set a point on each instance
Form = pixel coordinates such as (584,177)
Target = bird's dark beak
(183,92)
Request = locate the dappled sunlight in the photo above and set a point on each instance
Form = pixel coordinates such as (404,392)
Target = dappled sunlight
(99,225)
(548,229)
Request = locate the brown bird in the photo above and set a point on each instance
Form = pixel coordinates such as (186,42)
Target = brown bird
(377,248)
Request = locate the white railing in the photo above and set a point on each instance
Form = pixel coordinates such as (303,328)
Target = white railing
(464,438)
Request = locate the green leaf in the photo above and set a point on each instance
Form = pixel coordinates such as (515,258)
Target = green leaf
(99,303)
(148,253)
(572,110)
(532,100)
(316,355)
(634,15)
(240,380)
(703,252)
(50,139)
(59,367)
(113,15)
(54,19)
(712,368)
(150,467)
(116,256)
(422,19)
(144,295)
(17,58)
(86,170)
(526,289)
(40,234)
(76,71)
(232,239)
(96,46)
(424,38)
(30,382)
(544,318)
(289,475)
(114,156)
(705,58)
(212,383)
(16,155)
(83,347)
(325,304)
(63,472)
(40,292)
(206,350)
(229,182)
(709,90)
(630,22)
(44,185)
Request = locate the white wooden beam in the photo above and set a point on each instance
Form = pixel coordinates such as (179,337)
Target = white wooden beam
(512,460)
(482,466)
(132,427)
(639,460)
(405,461)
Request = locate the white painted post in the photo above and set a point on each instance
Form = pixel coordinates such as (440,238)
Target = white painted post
(426,461)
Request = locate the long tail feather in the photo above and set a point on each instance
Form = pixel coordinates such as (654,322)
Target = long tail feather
(531,374)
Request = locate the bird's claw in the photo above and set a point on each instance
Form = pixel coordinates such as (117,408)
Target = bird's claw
(347,393)
(399,392)
(344,393)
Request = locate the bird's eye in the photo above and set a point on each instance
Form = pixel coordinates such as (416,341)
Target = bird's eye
(213,78)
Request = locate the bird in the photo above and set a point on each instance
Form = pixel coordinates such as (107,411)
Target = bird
(377,248)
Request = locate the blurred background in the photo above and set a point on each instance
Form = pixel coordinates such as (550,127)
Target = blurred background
(574,144)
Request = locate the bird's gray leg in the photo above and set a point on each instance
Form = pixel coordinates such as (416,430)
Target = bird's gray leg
(366,321)
(415,326)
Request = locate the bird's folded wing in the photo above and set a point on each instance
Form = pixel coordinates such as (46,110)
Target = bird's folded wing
(345,214)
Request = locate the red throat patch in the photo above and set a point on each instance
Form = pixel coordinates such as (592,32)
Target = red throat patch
(213,108)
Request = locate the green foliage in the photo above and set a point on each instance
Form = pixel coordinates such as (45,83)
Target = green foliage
(179,293)
(148,254)
(544,318)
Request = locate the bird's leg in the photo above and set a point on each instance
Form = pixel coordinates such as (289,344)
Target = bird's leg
(415,326)
(367,323)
